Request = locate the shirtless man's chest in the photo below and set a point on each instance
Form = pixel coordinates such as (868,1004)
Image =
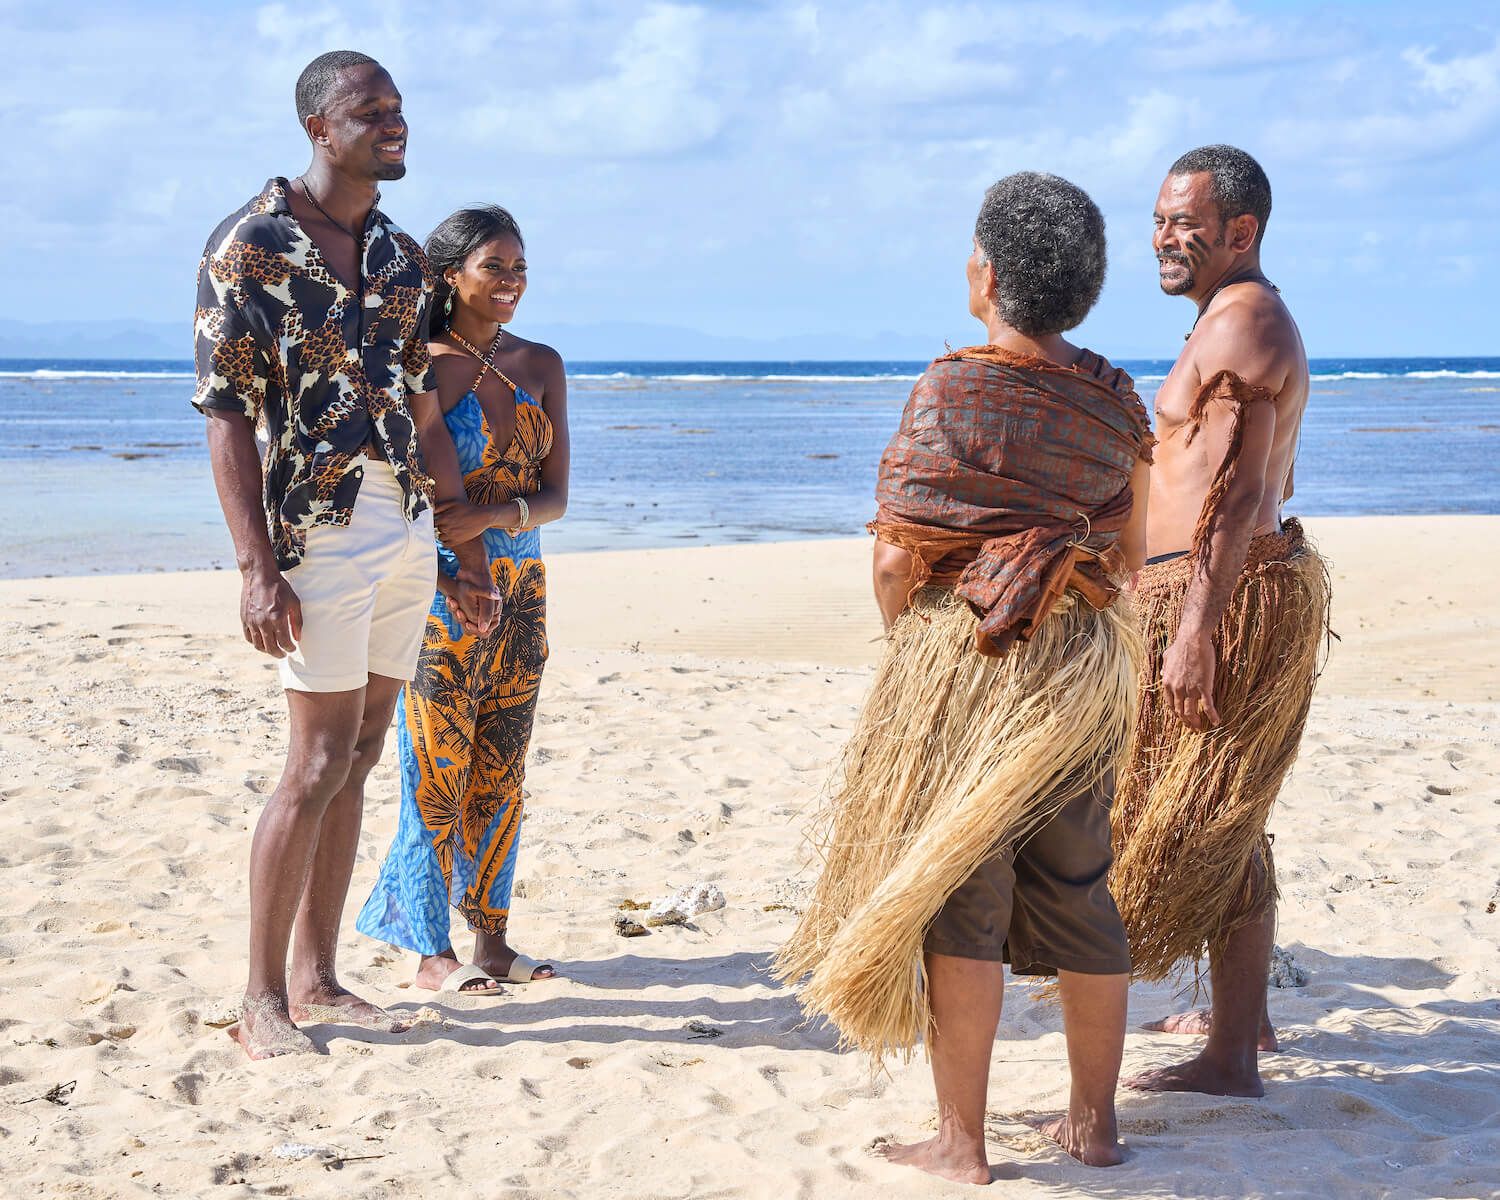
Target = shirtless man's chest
(1187,461)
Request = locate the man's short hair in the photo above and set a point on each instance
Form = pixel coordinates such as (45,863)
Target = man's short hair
(1240,185)
(320,80)
(1044,238)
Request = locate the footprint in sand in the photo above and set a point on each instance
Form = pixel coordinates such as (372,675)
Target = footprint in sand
(186,765)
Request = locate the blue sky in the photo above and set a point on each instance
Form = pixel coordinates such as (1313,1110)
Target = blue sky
(771,169)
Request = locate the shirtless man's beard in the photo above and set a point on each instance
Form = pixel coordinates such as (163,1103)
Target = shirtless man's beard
(1197,254)
(1176,284)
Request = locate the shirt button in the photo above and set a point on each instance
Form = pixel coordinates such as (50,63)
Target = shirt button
(372,301)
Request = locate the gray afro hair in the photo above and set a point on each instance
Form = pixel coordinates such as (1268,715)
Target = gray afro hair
(1044,238)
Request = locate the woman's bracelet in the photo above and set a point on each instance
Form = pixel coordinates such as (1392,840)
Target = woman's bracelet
(525,514)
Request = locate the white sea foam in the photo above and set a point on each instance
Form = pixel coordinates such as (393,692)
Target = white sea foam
(671,378)
(1444,374)
(837,378)
(47,373)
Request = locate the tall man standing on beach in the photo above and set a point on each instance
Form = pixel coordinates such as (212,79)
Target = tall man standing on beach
(311,321)
(1233,603)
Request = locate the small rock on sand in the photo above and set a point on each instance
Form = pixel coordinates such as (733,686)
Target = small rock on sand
(296,1151)
(225,1010)
(1284,972)
(685,903)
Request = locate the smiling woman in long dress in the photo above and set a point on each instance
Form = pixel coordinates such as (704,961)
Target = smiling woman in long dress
(467,717)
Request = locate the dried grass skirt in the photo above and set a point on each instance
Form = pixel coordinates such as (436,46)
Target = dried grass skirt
(1191,808)
(954,756)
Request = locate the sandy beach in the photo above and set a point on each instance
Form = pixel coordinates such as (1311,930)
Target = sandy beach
(693,704)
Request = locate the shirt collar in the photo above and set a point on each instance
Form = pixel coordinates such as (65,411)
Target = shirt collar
(272,199)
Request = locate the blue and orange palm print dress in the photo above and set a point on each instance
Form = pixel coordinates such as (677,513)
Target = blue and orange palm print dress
(465,720)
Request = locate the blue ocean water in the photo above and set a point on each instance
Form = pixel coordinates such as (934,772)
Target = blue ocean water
(103,465)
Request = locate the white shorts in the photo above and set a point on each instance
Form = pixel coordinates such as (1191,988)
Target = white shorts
(365,589)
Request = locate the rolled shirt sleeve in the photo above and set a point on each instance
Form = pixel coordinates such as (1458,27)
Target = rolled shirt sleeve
(416,359)
(230,359)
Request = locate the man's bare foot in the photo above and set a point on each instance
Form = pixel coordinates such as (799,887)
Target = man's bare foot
(336,1006)
(1091,1144)
(434,969)
(1199,1021)
(1198,1075)
(947,1160)
(266,1031)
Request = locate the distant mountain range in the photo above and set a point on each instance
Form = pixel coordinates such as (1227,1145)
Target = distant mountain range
(96,339)
(610,341)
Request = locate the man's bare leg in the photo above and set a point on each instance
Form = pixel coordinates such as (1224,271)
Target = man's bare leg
(1227,1066)
(966,995)
(316,994)
(1094,1021)
(324,729)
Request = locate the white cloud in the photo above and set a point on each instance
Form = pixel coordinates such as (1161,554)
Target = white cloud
(803,20)
(1204,18)
(1157,122)
(281,23)
(1392,125)
(1461,76)
(808,113)
(757,165)
(940,55)
(654,102)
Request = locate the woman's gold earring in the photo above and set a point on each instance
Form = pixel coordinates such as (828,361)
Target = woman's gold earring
(448,305)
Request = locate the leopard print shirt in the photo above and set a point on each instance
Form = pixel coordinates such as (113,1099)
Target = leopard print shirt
(323,371)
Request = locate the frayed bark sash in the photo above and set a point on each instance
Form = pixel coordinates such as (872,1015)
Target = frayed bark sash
(1009,480)
(1224,387)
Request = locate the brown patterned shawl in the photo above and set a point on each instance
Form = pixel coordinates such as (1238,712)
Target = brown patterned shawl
(1009,478)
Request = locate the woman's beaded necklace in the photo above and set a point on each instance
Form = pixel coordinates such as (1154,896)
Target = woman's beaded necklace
(486,361)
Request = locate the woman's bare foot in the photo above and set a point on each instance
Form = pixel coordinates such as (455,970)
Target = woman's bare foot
(960,1162)
(1198,1022)
(338,1006)
(265,1030)
(1199,1075)
(434,970)
(1089,1143)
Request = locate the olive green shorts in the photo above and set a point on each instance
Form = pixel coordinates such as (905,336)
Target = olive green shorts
(1043,906)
